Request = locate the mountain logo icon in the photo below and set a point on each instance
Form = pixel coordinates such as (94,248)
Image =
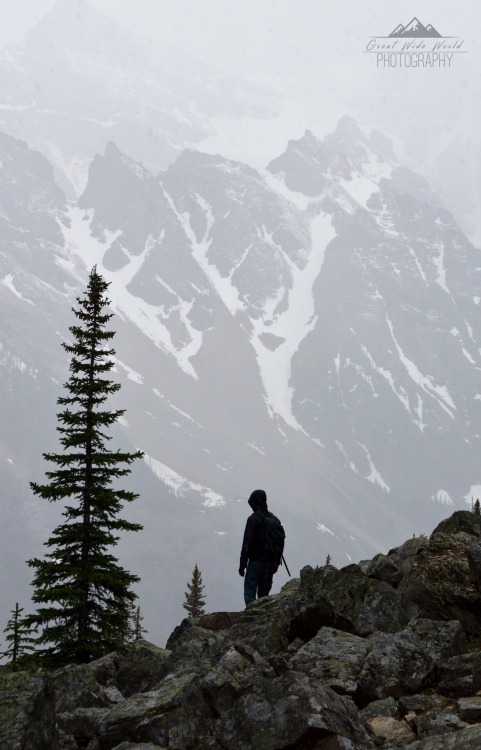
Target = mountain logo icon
(415,29)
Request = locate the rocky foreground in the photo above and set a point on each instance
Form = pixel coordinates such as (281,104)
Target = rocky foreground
(386,653)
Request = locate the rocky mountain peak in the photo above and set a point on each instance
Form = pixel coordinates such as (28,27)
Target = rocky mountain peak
(348,129)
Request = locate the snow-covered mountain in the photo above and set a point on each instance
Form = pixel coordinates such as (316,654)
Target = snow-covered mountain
(312,329)
(391,379)
(79,80)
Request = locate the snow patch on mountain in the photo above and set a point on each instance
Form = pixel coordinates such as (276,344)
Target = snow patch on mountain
(439,392)
(179,485)
(323,528)
(474,493)
(276,182)
(133,375)
(374,475)
(292,324)
(442,496)
(401,394)
(440,267)
(360,188)
(8,282)
(75,168)
(223,285)
(148,318)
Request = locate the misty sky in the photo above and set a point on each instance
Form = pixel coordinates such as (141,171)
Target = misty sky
(312,52)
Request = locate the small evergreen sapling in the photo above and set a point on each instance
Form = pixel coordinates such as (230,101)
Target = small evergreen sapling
(19,638)
(138,629)
(194,598)
(477,508)
(84,596)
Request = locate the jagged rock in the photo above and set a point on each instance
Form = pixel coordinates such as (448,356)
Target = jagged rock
(388,729)
(142,668)
(419,704)
(438,581)
(406,661)
(105,668)
(333,657)
(405,556)
(437,721)
(218,620)
(265,623)
(470,708)
(83,724)
(177,632)
(460,675)
(382,707)
(27,712)
(195,646)
(113,694)
(465,739)
(473,553)
(173,715)
(384,568)
(460,520)
(223,684)
(75,687)
(347,599)
(292,711)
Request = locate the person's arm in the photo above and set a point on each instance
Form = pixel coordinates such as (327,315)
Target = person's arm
(246,544)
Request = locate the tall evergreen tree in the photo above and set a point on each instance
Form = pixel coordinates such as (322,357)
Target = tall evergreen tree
(85,597)
(19,638)
(194,598)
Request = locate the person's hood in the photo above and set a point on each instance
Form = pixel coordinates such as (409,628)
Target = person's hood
(258,500)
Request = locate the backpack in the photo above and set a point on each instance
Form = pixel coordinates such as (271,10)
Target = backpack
(274,536)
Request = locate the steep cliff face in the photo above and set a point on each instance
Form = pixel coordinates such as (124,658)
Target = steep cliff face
(381,654)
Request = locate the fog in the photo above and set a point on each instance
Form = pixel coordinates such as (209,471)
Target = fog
(311,52)
(314,61)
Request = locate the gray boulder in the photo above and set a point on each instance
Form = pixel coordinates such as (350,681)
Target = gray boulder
(141,669)
(460,675)
(173,715)
(333,657)
(438,722)
(349,600)
(382,707)
(27,712)
(473,553)
(419,704)
(406,661)
(466,739)
(105,669)
(294,710)
(438,582)
(75,687)
(384,568)
(265,624)
(470,708)
(460,521)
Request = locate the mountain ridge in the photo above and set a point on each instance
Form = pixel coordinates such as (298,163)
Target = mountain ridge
(238,365)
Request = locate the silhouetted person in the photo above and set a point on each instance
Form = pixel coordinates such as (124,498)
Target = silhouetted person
(262,548)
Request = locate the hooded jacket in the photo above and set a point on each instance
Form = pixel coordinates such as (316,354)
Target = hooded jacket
(253,542)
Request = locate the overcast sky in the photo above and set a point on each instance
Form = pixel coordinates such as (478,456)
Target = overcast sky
(312,51)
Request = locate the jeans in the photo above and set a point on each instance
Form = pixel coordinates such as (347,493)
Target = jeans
(257,580)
